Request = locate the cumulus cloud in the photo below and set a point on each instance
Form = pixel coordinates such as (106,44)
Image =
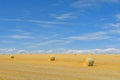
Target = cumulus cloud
(14,50)
(96,51)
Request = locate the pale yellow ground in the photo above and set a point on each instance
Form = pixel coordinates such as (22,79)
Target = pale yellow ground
(65,67)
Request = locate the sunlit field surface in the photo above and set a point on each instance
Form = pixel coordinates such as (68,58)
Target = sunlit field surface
(65,67)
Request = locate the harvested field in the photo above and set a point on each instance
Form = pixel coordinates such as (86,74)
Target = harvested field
(65,67)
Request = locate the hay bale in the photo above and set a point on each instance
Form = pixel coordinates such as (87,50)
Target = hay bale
(75,54)
(88,62)
(12,56)
(51,58)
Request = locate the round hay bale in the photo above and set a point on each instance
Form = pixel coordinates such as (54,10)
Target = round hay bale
(51,58)
(75,54)
(88,62)
(12,57)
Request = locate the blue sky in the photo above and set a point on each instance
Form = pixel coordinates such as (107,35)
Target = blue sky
(62,26)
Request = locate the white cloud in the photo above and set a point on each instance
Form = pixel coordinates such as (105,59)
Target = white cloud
(48,26)
(110,1)
(33,21)
(12,20)
(91,36)
(107,50)
(97,35)
(116,31)
(27,13)
(21,37)
(7,41)
(18,30)
(84,3)
(43,51)
(96,51)
(44,22)
(117,16)
(14,50)
(21,31)
(64,16)
(115,25)
(91,3)
(49,42)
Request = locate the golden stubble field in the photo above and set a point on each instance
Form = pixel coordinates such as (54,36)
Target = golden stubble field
(65,67)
